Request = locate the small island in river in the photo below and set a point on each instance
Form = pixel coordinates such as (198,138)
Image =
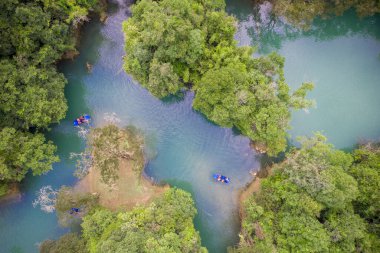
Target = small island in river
(116,171)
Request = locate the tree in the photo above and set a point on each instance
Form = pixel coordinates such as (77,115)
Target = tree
(21,152)
(306,205)
(95,224)
(68,243)
(34,36)
(366,170)
(255,103)
(164,226)
(32,96)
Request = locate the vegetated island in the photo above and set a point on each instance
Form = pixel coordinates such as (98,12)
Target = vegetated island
(116,169)
(35,35)
(121,210)
(318,199)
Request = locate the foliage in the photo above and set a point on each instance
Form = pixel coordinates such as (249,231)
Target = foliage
(34,36)
(366,170)
(21,151)
(164,226)
(31,96)
(301,13)
(307,205)
(68,198)
(172,45)
(95,224)
(3,189)
(68,243)
(109,144)
(254,102)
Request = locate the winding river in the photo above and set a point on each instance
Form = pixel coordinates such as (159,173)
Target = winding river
(185,148)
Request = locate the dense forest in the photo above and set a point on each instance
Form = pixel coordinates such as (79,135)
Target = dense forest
(35,34)
(318,200)
(166,225)
(172,45)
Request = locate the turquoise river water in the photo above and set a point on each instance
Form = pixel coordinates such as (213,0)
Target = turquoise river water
(341,56)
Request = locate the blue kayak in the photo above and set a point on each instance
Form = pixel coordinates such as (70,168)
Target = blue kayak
(221,178)
(85,119)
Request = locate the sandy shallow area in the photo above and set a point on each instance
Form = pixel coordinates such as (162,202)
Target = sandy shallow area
(129,190)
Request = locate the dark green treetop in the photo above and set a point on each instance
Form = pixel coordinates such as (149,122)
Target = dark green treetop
(166,225)
(34,36)
(307,205)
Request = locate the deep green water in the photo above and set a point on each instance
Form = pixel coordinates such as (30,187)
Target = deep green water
(186,149)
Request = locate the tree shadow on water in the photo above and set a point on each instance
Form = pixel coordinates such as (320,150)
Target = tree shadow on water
(173,99)
(269,32)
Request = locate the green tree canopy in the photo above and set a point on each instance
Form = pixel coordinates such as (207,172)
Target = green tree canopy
(34,36)
(255,103)
(164,226)
(307,205)
(20,152)
(68,243)
(31,96)
(366,170)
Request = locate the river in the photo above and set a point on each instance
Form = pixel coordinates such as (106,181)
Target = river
(184,146)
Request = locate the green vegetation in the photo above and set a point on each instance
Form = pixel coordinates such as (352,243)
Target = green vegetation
(22,150)
(34,36)
(175,44)
(301,13)
(69,243)
(366,170)
(318,200)
(166,225)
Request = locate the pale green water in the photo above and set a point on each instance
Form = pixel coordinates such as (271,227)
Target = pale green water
(340,55)
(343,63)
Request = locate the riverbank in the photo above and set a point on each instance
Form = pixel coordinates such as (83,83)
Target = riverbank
(252,187)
